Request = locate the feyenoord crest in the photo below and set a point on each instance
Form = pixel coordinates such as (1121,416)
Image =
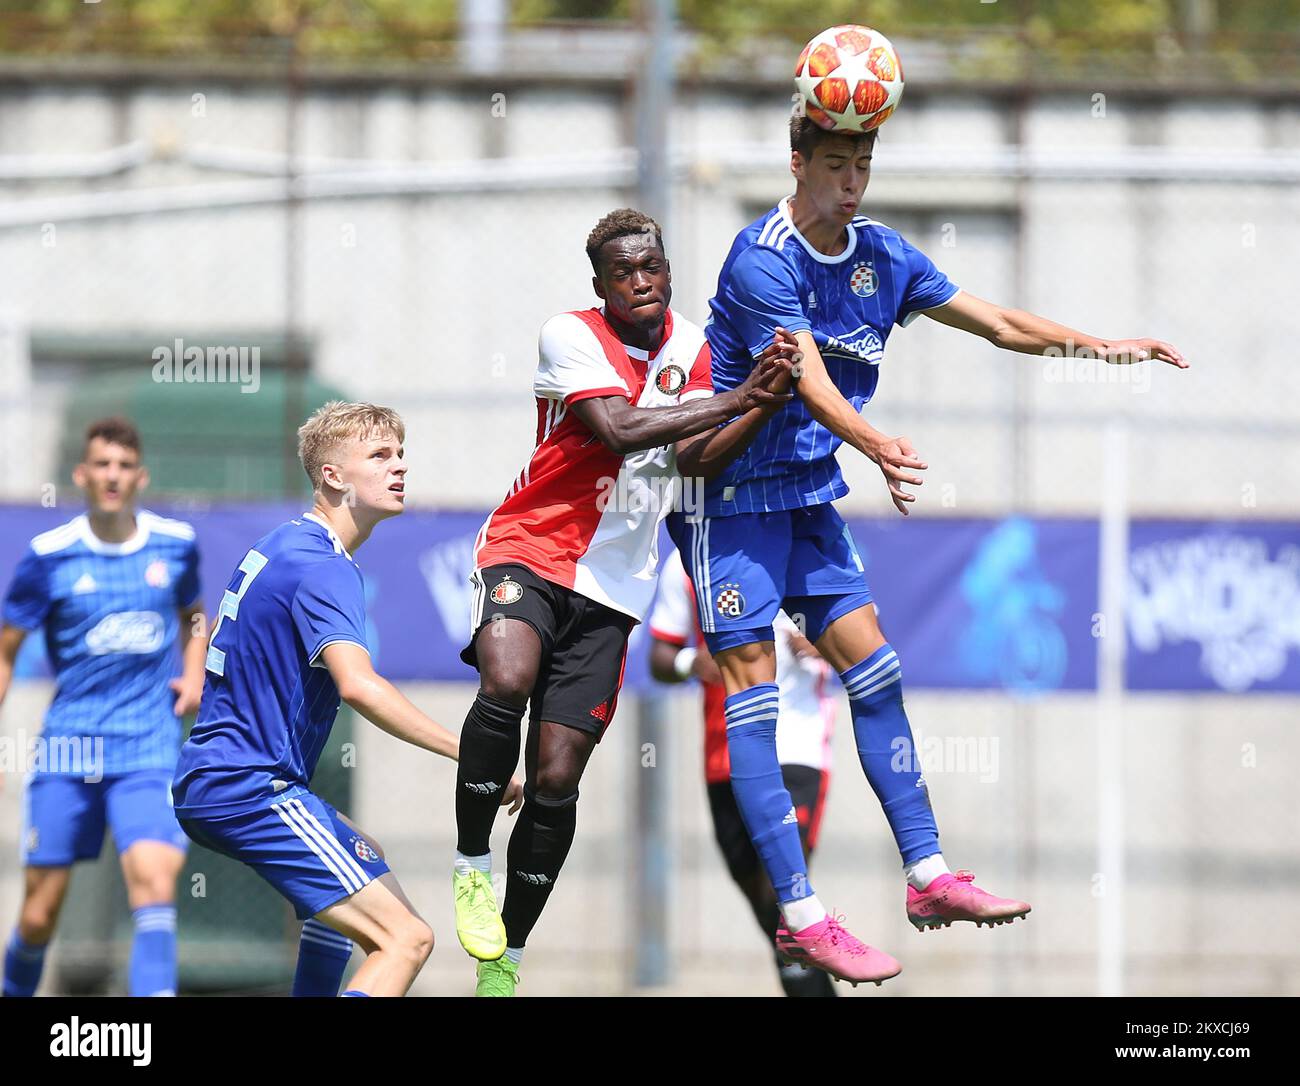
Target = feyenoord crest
(507,591)
(730,603)
(155,576)
(364,851)
(863,281)
(670,380)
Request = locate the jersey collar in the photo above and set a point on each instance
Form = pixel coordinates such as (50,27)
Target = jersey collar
(783,208)
(338,543)
(127,546)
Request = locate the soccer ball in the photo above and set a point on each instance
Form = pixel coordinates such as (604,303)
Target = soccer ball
(849,78)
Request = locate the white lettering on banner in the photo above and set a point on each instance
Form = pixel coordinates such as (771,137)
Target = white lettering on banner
(1223,592)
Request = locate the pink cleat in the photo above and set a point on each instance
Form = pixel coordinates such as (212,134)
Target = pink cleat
(828,946)
(956,897)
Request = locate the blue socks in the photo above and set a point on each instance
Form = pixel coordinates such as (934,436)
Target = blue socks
(888,753)
(323,955)
(354,993)
(760,791)
(153,952)
(153,957)
(23,964)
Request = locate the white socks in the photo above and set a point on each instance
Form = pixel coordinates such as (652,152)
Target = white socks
(925,870)
(466,864)
(802,913)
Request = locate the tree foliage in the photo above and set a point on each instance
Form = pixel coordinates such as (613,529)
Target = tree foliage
(1006,39)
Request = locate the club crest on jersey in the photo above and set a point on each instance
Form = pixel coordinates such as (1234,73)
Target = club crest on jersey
(156,576)
(507,591)
(670,380)
(730,603)
(863,281)
(364,851)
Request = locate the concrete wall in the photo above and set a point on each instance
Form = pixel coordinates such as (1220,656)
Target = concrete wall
(432,302)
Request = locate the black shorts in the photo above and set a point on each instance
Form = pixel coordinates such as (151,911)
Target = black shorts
(584,644)
(807,788)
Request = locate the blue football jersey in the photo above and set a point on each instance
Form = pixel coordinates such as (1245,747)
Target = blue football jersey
(269,702)
(109,613)
(849,303)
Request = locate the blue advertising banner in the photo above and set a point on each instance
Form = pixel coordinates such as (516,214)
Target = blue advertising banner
(1213,605)
(986,603)
(969,603)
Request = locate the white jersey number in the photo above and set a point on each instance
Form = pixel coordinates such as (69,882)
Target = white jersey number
(253,564)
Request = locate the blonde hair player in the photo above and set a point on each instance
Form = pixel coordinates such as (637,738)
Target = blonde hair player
(289,644)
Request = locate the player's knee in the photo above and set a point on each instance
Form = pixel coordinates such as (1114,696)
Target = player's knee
(557,782)
(151,888)
(508,681)
(36,922)
(555,796)
(414,942)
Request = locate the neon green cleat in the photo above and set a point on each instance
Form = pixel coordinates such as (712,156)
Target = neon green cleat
(497,978)
(478,920)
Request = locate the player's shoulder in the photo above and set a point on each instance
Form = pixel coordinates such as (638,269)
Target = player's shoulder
(871,231)
(570,324)
(576,331)
(769,237)
(62,538)
(314,547)
(867,224)
(166,527)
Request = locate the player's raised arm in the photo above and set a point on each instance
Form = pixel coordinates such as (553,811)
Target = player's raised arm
(895,456)
(380,702)
(1028,333)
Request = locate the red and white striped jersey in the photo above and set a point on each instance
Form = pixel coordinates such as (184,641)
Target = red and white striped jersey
(579,515)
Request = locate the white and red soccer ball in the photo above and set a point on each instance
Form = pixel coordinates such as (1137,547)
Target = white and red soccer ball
(849,78)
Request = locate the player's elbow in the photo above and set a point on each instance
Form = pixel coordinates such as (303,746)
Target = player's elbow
(355,688)
(1004,330)
(620,440)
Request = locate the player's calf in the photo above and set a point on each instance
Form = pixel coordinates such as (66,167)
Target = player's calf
(489,751)
(396,940)
(44,891)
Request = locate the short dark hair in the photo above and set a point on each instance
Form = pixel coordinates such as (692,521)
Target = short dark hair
(619,224)
(116,430)
(806,134)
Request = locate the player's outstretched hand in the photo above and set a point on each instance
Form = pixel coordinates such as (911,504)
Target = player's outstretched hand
(188,695)
(514,795)
(1125,352)
(894,456)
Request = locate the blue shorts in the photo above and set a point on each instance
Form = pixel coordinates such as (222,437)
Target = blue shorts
(748,566)
(64,817)
(298,843)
